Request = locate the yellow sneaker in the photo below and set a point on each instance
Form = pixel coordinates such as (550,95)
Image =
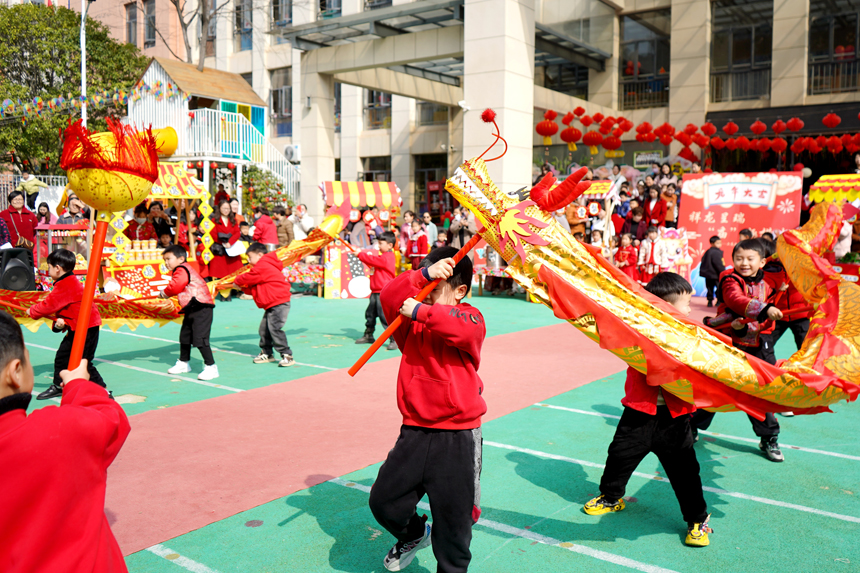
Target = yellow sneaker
(697,533)
(600,505)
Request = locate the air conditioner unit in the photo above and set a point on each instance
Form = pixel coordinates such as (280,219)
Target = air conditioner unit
(291,152)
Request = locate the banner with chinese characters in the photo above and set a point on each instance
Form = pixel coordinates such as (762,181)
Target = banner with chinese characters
(724,203)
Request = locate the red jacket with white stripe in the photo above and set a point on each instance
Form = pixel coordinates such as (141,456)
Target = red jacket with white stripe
(57,458)
(266,282)
(383,266)
(65,302)
(438,384)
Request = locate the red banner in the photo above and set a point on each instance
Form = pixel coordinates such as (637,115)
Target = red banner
(724,203)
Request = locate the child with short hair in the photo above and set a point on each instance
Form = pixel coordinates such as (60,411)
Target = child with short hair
(165,240)
(197,304)
(742,292)
(64,303)
(712,267)
(745,234)
(439,395)
(55,465)
(383,268)
(244,236)
(658,422)
(627,256)
(417,247)
(442,240)
(653,256)
(271,291)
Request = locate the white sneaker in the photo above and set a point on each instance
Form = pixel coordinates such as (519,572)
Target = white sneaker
(179,368)
(286,361)
(402,554)
(209,373)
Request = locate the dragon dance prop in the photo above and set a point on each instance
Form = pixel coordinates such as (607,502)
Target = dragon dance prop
(689,360)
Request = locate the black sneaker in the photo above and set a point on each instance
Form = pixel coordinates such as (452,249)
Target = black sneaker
(710,304)
(770,447)
(366,339)
(392,345)
(52,392)
(402,554)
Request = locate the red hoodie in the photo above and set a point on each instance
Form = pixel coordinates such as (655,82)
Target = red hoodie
(266,282)
(790,299)
(383,266)
(65,302)
(265,231)
(438,384)
(641,396)
(57,458)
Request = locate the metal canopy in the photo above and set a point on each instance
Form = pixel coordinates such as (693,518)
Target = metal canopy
(551,44)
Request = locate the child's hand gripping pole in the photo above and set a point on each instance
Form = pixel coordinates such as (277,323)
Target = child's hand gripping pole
(785,315)
(395,324)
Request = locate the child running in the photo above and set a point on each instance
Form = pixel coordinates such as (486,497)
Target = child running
(55,465)
(64,303)
(197,304)
(383,268)
(658,422)
(271,291)
(439,395)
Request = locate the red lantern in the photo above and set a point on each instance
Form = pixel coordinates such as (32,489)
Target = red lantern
(834,144)
(665,129)
(812,145)
(709,129)
(547,128)
(579,111)
(702,140)
(666,139)
(612,144)
(852,148)
(649,137)
(231,166)
(586,120)
(190,165)
(799,146)
(794,124)
(688,154)
(730,128)
(684,138)
(568,117)
(764,145)
(847,140)
(570,136)
(798,167)
(214,165)
(624,124)
(758,127)
(199,165)
(644,127)
(690,129)
(779,144)
(778,126)
(831,120)
(617,132)
(717,143)
(251,189)
(606,125)
(598,117)
(592,139)
(731,144)
(743,143)
(821,141)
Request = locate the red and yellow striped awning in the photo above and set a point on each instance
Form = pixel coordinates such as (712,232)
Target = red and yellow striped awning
(597,190)
(382,194)
(174,182)
(834,188)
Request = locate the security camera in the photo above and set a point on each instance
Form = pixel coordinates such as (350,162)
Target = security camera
(443,146)
(462,104)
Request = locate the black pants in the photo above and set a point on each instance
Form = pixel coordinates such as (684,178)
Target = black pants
(763,429)
(798,327)
(444,464)
(374,311)
(31,201)
(61,360)
(671,440)
(711,287)
(196,325)
(272,335)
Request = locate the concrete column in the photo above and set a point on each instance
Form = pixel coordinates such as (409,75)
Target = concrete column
(351,125)
(790,53)
(689,68)
(455,138)
(239,189)
(605,30)
(207,177)
(296,78)
(317,139)
(401,156)
(499,73)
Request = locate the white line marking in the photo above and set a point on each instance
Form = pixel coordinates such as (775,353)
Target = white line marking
(532,536)
(180,560)
(716,490)
(219,349)
(718,435)
(157,373)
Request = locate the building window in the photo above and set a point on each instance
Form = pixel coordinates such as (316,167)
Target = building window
(329,9)
(432,114)
(645,59)
(281,102)
(741,44)
(211,36)
(337,107)
(131,23)
(833,46)
(428,168)
(377,110)
(149,36)
(569,79)
(374,4)
(282,17)
(375,169)
(243,30)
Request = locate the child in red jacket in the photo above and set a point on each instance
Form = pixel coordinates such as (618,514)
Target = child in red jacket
(439,395)
(658,422)
(197,304)
(383,267)
(56,462)
(416,249)
(271,291)
(64,303)
(743,292)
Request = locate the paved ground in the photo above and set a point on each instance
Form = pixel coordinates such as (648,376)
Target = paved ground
(269,470)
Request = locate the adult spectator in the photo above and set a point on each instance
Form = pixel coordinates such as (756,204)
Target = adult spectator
(302,222)
(264,228)
(74,213)
(234,207)
(139,228)
(574,222)
(655,208)
(221,195)
(225,233)
(281,215)
(666,176)
(44,215)
(20,221)
(160,220)
(30,185)
(462,229)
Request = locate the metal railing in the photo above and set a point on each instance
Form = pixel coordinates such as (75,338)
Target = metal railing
(643,94)
(9,181)
(231,135)
(329,9)
(738,86)
(833,77)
